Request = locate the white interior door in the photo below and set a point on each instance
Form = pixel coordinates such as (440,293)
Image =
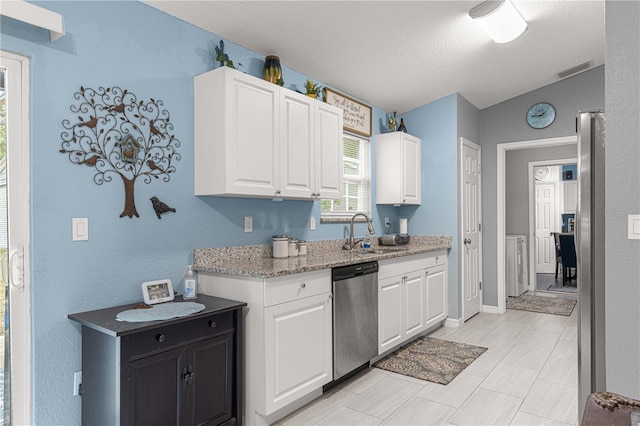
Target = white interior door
(545,224)
(471,229)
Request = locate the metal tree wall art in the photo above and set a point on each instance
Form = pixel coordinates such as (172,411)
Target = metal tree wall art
(119,136)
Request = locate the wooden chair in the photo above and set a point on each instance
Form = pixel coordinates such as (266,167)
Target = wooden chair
(568,255)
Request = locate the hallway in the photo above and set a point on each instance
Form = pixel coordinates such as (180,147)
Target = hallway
(527,377)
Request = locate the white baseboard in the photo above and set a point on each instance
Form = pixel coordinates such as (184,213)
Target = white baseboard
(489,309)
(454,322)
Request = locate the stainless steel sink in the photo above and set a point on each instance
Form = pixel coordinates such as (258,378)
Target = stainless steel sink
(381,250)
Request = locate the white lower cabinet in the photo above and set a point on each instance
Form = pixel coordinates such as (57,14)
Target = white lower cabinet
(288,337)
(298,343)
(400,309)
(412,296)
(435,283)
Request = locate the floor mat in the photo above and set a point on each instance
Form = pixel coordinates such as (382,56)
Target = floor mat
(543,305)
(431,359)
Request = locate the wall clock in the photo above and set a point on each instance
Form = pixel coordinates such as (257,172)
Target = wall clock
(541,173)
(541,115)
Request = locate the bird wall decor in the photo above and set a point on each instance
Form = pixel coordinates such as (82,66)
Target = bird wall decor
(160,207)
(118,135)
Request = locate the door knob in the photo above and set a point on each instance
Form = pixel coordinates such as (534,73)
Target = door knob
(467,241)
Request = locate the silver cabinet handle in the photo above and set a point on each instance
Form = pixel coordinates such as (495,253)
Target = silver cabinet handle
(303,285)
(318,194)
(277,191)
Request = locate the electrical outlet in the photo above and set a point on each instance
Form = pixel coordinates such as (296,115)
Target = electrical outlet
(312,223)
(387,223)
(248,224)
(77,381)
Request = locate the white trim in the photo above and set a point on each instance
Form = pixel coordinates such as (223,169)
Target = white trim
(462,142)
(17,86)
(34,15)
(488,309)
(454,322)
(531,186)
(501,150)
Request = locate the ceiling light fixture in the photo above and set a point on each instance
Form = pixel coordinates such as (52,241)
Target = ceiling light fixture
(500,19)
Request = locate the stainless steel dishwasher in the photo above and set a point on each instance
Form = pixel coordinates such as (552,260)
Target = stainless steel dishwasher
(355,317)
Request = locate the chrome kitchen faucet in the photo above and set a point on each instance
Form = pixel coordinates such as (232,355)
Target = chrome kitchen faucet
(351,244)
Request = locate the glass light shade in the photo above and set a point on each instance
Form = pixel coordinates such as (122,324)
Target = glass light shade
(500,19)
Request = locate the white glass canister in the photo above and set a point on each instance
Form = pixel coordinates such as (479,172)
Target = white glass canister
(293,247)
(302,248)
(280,246)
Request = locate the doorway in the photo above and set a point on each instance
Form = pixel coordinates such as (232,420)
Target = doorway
(552,201)
(14,229)
(502,149)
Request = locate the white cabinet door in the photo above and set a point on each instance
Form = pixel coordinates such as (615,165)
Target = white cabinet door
(328,151)
(570,196)
(236,134)
(401,312)
(413,292)
(252,145)
(436,300)
(298,349)
(390,328)
(411,164)
(297,145)
(398,168)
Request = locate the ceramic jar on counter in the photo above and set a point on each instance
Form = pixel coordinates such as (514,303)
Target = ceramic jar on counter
(280,246)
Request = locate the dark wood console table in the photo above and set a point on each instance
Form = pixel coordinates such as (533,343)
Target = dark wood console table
(182,371)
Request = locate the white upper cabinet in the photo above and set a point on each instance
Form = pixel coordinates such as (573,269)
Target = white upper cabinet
(296,145)
(398,168)
(328,172)
(256,139)
(236,134)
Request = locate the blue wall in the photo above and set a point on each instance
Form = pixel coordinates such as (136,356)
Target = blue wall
(153,55)
(436,125)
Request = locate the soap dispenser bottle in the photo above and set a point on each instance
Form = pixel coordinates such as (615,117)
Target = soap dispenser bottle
(190,283)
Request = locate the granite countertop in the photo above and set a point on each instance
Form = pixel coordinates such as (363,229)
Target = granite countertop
(256,261)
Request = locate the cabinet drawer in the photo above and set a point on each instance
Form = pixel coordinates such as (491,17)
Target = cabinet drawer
(297,286)
(402,265)
(176,334)
(436,258)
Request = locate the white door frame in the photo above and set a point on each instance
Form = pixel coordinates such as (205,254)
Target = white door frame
(17,85)
(461,142)
(501,150)
(532,211)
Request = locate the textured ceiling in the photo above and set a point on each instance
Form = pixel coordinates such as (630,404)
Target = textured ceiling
(399,55)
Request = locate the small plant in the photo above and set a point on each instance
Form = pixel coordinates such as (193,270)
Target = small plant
(313,89)
(223,58)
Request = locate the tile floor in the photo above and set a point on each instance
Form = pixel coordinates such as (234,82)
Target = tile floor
(527,377)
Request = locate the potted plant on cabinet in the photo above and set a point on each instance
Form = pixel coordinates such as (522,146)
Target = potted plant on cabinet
(313,89)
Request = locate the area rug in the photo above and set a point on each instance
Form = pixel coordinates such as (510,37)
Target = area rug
(431,359)
(543,305)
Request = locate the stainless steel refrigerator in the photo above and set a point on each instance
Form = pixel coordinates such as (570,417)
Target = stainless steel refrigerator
(589,235)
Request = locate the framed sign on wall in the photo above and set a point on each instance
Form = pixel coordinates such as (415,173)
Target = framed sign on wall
(357,116)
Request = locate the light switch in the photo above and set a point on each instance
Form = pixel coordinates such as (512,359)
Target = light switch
(634,226)
(80,231)
(248,224)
